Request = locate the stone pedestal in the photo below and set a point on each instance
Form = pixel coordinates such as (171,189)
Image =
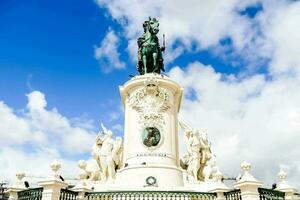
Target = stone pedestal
(53,184)
(151,152)
(283,186)
(248,184)
(81,192)
(220,193)
(13,192)
(219,187)
(17,187)
(51,188)
(249,189)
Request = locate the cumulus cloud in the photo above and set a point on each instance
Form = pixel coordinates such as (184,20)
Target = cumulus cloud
(192,26)
(107,53)
(253,119)
(252,116)
(281,29)
(201,24)
(37,136)
(13,130)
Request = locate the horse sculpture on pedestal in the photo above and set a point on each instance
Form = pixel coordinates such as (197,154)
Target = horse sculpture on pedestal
(150,53)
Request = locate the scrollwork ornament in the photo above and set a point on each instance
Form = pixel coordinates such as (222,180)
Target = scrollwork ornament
(150,101)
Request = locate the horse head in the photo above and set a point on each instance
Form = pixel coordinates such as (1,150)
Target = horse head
(152,25)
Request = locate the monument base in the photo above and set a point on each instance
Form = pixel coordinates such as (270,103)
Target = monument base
(134,183)
(150,176)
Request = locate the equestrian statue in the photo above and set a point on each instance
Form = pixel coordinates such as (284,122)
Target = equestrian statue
(150,59)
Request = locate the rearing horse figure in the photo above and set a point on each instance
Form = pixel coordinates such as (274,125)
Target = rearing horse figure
(150,53)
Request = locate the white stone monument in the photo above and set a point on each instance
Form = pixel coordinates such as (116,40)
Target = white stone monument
(146,163)
(151,152)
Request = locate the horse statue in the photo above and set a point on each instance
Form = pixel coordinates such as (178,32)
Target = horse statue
(150,53)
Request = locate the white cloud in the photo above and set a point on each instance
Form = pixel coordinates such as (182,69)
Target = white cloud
(107,53)
(12,129)
(35,165)
(36,101)
(248,116)
(37,136)
(118,128)
(252,119)
(201,23)
(281,26)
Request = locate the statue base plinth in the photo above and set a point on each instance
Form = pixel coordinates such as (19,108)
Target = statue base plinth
(151,152)
(147,176)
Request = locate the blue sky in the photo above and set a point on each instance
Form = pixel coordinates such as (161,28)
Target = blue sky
(61,63)
(49,46)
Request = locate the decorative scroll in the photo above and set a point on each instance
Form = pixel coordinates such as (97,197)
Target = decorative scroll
(150,102)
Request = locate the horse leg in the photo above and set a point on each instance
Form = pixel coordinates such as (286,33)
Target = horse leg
(145,63)
(155,65)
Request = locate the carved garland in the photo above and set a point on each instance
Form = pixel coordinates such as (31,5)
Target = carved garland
(150,102)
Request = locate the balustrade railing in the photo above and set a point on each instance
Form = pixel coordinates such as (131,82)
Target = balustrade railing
(66,194)
(297,196)
(150,195)
(30,194)
(269,194)
(233,195)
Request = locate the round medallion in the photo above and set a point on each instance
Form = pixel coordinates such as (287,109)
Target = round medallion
(151,136)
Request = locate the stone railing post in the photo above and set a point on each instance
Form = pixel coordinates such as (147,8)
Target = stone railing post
(81,186)
(81,192)
(53,184)
(283,186)
(17,187)
(248,184)
(219,187)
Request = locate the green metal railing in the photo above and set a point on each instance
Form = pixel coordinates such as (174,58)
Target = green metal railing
(233,195)
(269,194)
(31,194)
(297,196)
(150,195)
(66,194)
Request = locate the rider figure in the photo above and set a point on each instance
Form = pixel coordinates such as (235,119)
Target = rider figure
(141,40)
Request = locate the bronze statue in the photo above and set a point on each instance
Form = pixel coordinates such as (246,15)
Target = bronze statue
(150,57)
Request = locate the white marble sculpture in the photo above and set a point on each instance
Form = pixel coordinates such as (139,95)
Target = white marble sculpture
(117,152)
(108,154)
(55,166)
(211,169)
(193,152)
(197,154)
(87,173)
(205,152)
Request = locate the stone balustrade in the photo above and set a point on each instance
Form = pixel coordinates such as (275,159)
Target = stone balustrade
(247,188)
